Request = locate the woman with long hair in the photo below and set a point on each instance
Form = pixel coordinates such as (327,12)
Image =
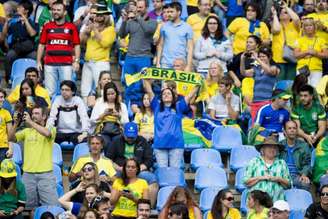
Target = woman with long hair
(145,119)
(182,195)
(213,45)
(259,203)
(215,74)
(127,190)
(222,206)
(104,78)
(91,191)
(89,176)
(109,113)
(12,192)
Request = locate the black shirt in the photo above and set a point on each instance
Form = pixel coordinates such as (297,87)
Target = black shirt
(315,211)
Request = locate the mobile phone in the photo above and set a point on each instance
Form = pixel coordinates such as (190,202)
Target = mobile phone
(126,190)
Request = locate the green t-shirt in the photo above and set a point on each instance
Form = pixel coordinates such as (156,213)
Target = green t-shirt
(8,202)
(309,117)
(129,151)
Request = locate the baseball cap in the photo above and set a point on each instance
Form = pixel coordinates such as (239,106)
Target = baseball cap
(281,205)
(278,93)
(8,168)
(131,130)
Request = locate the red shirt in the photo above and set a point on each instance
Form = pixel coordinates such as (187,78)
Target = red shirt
(60,41)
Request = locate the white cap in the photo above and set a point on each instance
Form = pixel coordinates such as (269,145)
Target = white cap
(281,205)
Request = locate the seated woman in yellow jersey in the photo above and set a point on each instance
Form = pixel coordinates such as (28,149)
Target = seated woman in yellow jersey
(6,150)
(215,74)
(222,206)
(309,51)
(285,29)
(182,195)
(127,190)
(242,27)
(145,119)
(259,204)
(32,74)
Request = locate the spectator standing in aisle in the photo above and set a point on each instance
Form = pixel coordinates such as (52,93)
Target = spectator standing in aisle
(37,140)
(99,37)
(319,210)
(69,115)
(197,20)
(20,32)
(141,29)
(58,39)
(33,74)
(297,155)
(5,128)
(310,116)
(176,40)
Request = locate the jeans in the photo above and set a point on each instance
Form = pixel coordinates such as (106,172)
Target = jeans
(169,157)
(53,75)
(90,75)
(40,189)
(132,65)
(298,184)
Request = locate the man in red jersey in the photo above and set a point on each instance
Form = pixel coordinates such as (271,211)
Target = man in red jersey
(58,39)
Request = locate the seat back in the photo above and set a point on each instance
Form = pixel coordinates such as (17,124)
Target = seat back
(55,210)
(210,177)
(226,138)
(18,70)
(17,154)
(207,197)
(58,174)
(298,199)
(239,184)
(243,202)
(162,196)
(240,156)
(205,157)
(80,150)
(170,176)
(57,156)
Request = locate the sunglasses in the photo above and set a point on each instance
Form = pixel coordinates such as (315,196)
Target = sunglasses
(230,199)
(88,169)
(324,194)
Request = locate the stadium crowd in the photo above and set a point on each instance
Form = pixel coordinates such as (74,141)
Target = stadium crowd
(189,68)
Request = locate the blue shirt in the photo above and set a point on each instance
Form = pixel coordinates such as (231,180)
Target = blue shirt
(17,31)
(234,9)
(263,85)
(272,119)
(290,161)
(168,125)
(76,208)
(175,38)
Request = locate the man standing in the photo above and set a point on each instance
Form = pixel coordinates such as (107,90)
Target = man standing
(58,39)
(297,155)
(38,141)
(197,20)
(175,40)
(143,209)
(141,29)
(310,116)
(273,116)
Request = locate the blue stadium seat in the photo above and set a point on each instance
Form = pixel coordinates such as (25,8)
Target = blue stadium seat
(243,202)
(210,177)
(55,210)
(191,147)
(162,196)
(284,84)
(240,156)
(296,214)
(17,154)
(58,174)
(298,199)
(170,176)
(225,138)
(60,190)
(18,70)
(80,150)
(205,157)
(19,173)
(239,185)
(67,145)
(57,156)
(313,158)
(207,197)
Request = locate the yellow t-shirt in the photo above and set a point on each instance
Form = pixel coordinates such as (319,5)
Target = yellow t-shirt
(37,150)
(124,206)
(233,214)
(278,40)
(103,164)
(253,215)
(5,118)
(2,11)
(145,123)
(323,17)
(197,23)
(39,91)
(239,28)
(100,51)
(211,88)
(305,43)
(184,88)
(321,90)
(247,87)
(193,3)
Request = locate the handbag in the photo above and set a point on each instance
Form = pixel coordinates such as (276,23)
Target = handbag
(288,52)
